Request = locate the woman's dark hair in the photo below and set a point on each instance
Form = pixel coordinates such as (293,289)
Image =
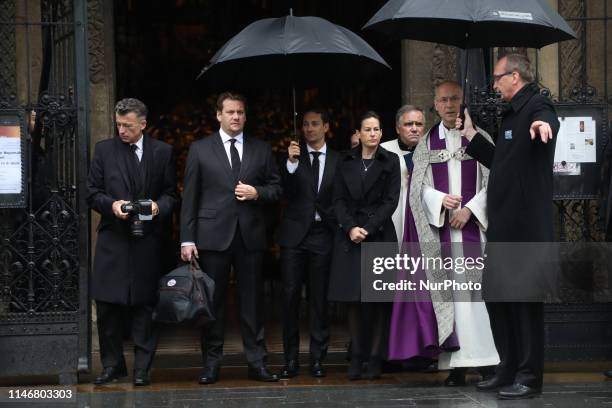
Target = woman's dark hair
(369,114)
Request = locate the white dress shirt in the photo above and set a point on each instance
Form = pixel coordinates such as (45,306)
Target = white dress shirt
(292,167)
(227,144)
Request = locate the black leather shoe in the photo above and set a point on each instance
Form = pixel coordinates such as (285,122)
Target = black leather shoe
(141,378)
(354,371)
(492,384)
(110,374)
(456,378)
(608,373)
(290,370)
(316,369)
(518,391)
(261,374)
(209,375)
(486,372)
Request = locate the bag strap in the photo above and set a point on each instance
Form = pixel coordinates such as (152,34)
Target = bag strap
(194,265)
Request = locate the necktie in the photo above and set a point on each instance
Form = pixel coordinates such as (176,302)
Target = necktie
(235,159)
(315,169)
(136,172)
(134,149)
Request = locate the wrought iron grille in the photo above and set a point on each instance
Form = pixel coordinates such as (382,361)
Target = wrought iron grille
(44,247)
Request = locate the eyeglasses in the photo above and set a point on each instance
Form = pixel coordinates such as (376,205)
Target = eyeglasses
(500,76)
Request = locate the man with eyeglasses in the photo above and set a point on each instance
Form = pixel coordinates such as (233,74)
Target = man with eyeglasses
(519,204)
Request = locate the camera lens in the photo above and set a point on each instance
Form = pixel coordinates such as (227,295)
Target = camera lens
(127,208)
(137,228)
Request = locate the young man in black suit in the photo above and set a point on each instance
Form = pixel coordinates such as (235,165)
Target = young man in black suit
(228,178)
(305,235)
(128,264)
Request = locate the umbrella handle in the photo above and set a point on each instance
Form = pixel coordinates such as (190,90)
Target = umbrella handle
(294,114)
(462,115)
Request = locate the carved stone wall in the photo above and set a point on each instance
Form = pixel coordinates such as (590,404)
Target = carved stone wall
(101,69)
(572,54)
(424,66)
(444,63)
(101,53)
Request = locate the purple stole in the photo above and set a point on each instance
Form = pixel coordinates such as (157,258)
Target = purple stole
(471,232)
(413,327)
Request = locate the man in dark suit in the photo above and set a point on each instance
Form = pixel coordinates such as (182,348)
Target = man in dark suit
(228,179)
(306,231)
(519,205)
(127,266)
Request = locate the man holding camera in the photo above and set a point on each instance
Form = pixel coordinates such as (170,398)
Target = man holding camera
(132,184)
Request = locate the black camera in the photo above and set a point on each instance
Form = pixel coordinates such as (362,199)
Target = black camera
(139,211)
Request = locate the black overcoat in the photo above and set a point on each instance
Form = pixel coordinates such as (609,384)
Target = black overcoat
(519,199)
(126,270)
(367,202)
(520,190)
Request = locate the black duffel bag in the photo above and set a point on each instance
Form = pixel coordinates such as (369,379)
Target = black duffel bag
(185,295)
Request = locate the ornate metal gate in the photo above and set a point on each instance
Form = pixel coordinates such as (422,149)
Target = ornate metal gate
(44,226)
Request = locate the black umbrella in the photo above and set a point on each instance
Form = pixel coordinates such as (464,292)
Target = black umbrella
(290,51)
(473,23)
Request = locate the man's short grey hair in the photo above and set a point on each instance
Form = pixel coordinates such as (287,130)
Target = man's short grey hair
(447,82)
(521,64)
(128,105)
(405,109)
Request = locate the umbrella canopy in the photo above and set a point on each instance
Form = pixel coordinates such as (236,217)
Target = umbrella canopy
(473,23)
(291,51)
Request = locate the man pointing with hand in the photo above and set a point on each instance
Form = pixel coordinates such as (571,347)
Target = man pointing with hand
(519,204)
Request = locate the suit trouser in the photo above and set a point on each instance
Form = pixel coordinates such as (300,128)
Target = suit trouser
(518,332)
(247,268)
(110,334)
(309,262)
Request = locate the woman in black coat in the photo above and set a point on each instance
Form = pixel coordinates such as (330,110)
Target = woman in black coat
(366,193)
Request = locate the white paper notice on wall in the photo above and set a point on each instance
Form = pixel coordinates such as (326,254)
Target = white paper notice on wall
(576,141)
(10,160)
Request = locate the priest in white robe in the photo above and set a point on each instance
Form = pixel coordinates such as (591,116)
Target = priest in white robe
(453,204)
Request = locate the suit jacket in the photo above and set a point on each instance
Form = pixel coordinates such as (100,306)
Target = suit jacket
(361,202)
(126,270)
(210,211)
(303,200)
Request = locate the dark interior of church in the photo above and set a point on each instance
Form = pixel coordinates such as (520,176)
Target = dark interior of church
(161,46)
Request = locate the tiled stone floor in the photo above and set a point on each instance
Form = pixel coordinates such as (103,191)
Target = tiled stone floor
(176,388)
